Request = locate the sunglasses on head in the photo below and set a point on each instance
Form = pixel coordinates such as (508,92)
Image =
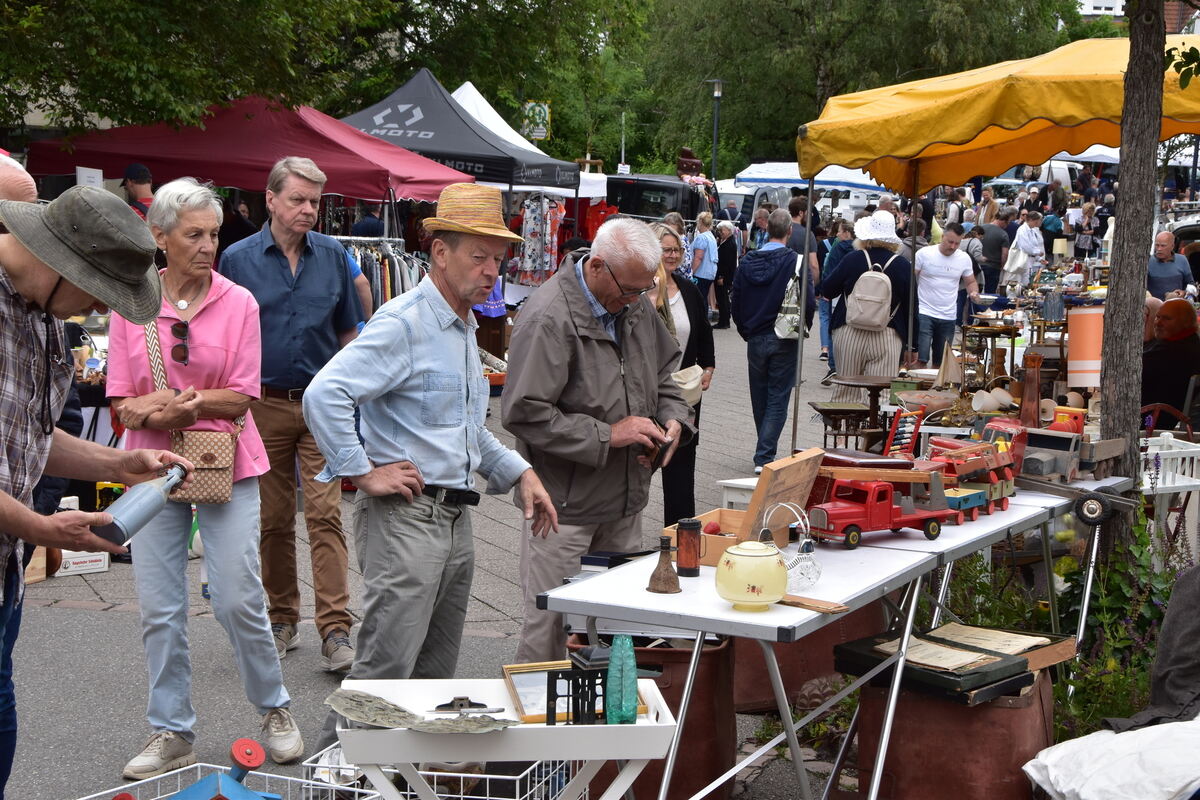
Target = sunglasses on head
(179,352)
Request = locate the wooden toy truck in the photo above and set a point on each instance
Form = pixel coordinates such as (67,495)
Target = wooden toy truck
(870,505)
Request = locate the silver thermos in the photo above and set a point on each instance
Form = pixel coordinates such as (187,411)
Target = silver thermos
(140,504)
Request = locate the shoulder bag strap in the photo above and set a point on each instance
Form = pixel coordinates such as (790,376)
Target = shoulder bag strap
(159,370)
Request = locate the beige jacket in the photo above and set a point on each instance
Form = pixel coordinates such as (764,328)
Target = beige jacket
(568,382)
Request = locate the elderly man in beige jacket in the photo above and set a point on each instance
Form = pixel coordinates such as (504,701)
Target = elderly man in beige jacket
(589,397)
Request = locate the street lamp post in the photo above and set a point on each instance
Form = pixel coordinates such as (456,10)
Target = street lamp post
(716,84)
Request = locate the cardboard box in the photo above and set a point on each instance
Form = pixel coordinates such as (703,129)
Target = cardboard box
(787,480)
(77,563)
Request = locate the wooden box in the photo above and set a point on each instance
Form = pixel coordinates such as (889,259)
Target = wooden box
(786,480)
(36,571)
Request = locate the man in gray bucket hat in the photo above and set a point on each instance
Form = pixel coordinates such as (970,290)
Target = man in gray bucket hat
(86,250)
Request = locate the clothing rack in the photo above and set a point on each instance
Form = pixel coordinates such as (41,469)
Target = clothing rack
(388,268)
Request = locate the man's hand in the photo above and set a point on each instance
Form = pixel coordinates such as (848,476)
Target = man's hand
(538,506)
(1176,293)
(135,466)
(399,477)
(636,430)
(673,430)
(706,379)
(72,530)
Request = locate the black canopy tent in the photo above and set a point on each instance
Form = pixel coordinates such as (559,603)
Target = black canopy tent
(421,116)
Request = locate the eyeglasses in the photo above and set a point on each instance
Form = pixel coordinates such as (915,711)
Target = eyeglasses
(672,251)
(179,352)
(626,292)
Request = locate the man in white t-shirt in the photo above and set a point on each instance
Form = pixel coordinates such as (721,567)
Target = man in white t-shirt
(941,269)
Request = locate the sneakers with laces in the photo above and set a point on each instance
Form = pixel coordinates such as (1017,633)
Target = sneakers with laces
(758,470)
(829,376)
(337,654)
(282,736)
(824,355)
(286,637)
(164,751)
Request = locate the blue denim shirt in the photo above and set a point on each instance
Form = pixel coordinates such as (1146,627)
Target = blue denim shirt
(414,372)
(300,315)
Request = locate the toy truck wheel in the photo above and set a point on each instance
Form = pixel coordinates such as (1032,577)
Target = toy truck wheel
(1093,508)
(853,535)
(1004,504)
(974,513)
(960,518)
(991,507)
(932,529)
(1008,473)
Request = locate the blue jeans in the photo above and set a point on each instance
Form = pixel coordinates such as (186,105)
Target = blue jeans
(230,535)
(772,365)
(10,625)
(703,285)
(938,331)
(825,307)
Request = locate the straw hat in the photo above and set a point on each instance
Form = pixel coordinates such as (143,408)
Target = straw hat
(470,208)
(91,238)
(879,227)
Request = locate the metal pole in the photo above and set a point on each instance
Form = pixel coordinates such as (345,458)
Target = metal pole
(1195,157)
(716,124)
(913,205)
(803,318)
(622,137)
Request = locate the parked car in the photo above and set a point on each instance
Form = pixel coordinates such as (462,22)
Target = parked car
(649,197)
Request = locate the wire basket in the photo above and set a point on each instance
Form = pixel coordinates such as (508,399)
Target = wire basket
(171,783)
(525,780)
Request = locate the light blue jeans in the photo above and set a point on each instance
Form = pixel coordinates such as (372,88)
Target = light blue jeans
(230,536)
(825,308)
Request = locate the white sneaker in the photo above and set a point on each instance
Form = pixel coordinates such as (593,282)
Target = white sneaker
(758,470)
(165,751)
(283,740)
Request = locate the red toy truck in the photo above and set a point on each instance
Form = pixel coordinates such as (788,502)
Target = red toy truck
(865,505)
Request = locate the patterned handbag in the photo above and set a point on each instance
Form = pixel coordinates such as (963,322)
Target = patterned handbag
(211,452)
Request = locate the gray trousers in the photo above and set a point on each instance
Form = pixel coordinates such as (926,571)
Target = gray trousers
(417,560)
(544,564)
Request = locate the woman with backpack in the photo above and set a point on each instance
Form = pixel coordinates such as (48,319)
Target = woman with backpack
(870,323)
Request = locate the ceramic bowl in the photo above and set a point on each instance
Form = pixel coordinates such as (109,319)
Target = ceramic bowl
(752,576)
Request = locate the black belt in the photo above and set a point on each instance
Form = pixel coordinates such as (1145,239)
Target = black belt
(452,497)
(294,395)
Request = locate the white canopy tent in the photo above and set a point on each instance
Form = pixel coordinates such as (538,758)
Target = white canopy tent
(1103,154)
(591,184)
(786,174)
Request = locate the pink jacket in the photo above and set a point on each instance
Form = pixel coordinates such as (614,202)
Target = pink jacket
(224,352)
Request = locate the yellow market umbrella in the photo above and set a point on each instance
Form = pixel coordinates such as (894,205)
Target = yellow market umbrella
(949,129)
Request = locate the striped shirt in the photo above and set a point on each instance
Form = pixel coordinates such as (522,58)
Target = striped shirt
(24,384)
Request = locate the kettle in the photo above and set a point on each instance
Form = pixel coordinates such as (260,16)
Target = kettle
(752,576)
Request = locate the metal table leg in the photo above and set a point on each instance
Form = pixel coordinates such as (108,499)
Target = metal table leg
(894,693)
(688,685)
(1048,562)
(785,716)
(843,748)
(942,595)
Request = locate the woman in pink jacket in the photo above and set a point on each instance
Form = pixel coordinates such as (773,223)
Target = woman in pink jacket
(209,336)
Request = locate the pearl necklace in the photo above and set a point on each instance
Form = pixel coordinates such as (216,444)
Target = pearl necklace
(181,304)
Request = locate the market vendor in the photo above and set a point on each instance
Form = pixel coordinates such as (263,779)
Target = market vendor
(84,251)
(1170,360)
(1168,273)
(414,375)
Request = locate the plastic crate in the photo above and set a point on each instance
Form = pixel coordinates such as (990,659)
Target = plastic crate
(170,783)
(537,780)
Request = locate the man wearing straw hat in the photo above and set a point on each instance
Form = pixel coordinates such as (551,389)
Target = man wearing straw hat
(414,374)
(85,251)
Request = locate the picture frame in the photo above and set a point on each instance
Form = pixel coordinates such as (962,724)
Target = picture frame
(526,685)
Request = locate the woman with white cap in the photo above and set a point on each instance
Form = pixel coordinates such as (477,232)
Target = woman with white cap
(860,348)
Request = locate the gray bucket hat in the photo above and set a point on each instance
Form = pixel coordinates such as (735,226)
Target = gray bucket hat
(95,241)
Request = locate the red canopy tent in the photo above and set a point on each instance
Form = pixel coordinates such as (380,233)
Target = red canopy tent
(238,145)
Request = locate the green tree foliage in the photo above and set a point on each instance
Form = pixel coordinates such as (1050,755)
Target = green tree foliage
(782,59)
(136,62)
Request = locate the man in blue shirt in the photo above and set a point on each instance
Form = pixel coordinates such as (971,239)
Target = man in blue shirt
(308,310)
(416,378)
(1168,273)
(369,224)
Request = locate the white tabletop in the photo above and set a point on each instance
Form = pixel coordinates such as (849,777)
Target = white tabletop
(957,541)
(852,577)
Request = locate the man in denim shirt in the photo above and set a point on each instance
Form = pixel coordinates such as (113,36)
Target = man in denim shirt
(414,373)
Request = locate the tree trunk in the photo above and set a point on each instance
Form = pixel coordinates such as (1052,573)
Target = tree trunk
(1121,366)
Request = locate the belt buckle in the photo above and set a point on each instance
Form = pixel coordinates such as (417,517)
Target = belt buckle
(295,395)
(440,499)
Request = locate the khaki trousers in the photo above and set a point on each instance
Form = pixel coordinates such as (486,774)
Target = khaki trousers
(287,439)
(544,564)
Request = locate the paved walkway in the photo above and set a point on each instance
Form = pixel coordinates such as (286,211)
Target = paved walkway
(80,674)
